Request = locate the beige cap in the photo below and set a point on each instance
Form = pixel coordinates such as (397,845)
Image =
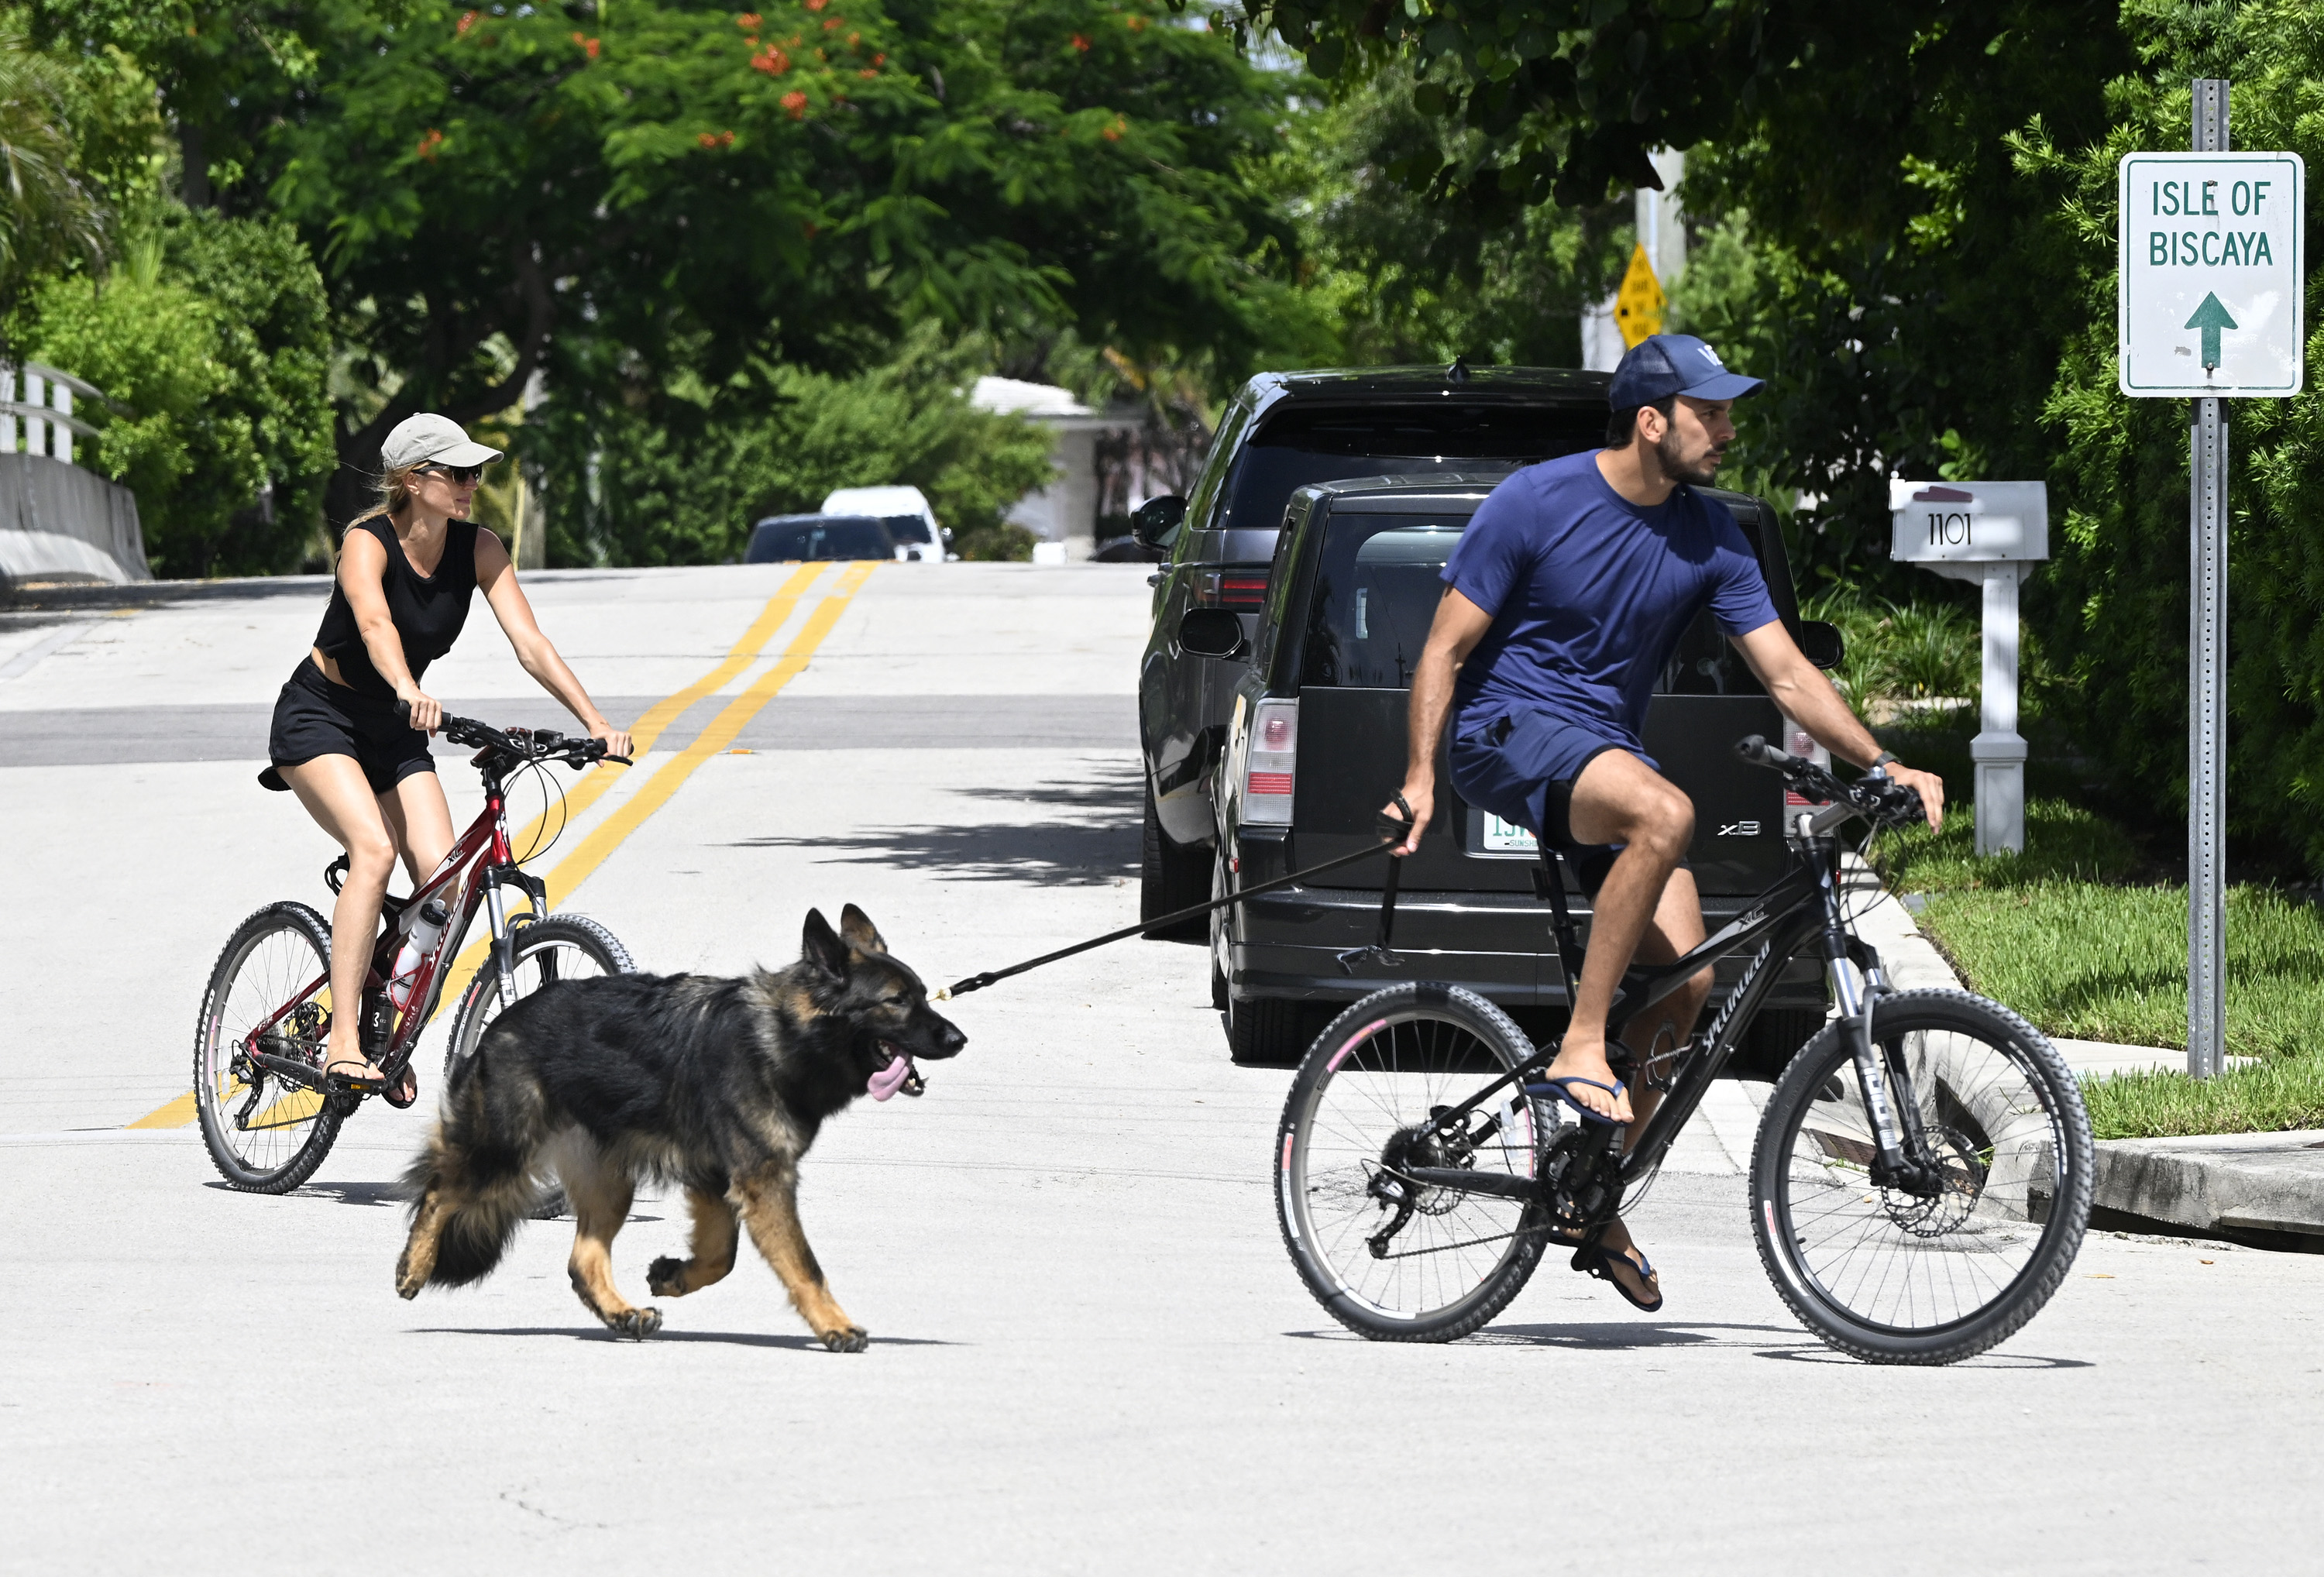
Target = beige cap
(418,440)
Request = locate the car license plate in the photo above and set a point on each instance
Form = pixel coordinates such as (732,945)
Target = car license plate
(1506,837)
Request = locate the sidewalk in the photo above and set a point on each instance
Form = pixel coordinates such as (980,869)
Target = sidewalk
(2266,1189)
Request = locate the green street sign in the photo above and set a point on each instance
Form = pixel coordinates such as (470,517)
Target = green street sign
(2210,264)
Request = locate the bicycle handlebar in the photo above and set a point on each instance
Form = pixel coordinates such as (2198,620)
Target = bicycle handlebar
(1876,798)
(522,744)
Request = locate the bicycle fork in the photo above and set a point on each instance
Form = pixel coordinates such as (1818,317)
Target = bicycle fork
(1901,1161)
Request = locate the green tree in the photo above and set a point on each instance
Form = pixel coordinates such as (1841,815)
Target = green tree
(624,201)
(670,493)
(50,216)
(1403,276)
(212,343)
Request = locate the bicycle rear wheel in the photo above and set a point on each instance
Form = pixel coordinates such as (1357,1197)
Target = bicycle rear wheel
(560,947)
(1931,1275)
(1391,1259)
(266,1134)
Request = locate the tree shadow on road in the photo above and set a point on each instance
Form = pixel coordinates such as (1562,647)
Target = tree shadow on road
(1087,836)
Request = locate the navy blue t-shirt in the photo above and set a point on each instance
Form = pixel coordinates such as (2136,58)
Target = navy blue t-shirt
(1589,593)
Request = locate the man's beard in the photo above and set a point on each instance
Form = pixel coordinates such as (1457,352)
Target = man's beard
(1675,467)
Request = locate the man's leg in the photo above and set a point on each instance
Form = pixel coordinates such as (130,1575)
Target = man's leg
(1676,926)
(1619,799)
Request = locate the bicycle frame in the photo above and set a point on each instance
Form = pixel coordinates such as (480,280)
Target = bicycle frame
(469,877)
(1802,907)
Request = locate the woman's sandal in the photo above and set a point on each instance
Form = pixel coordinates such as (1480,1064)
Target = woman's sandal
(1558,1089)
(1597,1259)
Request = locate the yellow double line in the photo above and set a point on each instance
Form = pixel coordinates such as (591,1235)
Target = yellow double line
(670,777)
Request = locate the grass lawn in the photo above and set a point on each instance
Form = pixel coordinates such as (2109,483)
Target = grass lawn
(2059,936)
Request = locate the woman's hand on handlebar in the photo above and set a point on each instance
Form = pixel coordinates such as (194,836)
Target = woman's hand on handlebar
(425,713)
(1930,787)
(616,740)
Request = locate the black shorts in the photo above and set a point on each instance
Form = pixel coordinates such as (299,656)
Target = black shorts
(314,717)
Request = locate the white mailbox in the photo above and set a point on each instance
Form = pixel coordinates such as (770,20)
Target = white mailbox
(1986,532)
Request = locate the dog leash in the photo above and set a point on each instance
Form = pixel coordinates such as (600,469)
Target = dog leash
(1392,833)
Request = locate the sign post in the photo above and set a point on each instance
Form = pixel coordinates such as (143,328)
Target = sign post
(2211,307)
(1988,532)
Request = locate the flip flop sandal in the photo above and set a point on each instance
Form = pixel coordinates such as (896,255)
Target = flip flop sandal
(1556,1089)
(404,1091)
(1598,1261)
(351,1084)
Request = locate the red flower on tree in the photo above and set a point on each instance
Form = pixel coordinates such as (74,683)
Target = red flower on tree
(794,101)
(774,62)
(1081,44)
(429,143)
(467,23)
(748,21)
(588,45)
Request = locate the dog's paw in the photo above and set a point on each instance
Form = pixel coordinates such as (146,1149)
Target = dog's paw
(637,1323)
(665,1278)
(407,1286)
(847,1339)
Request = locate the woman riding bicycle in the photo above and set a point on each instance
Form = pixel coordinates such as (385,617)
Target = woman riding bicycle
(407,569)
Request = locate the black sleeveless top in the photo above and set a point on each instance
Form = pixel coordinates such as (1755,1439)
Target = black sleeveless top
(427,609)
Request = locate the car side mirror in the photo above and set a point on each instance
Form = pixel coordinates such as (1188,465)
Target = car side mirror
(1155,523)
(1211,632)
(1820,643)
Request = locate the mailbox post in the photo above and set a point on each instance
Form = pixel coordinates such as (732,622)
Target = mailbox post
(1988,532)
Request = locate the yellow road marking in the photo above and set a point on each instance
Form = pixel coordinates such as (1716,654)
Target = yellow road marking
(576,867)
(175,1114)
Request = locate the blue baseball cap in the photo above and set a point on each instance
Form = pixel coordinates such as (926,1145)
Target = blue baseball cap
(1662,364)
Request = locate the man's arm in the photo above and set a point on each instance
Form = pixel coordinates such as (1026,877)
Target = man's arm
(1459,625)
(1800,688)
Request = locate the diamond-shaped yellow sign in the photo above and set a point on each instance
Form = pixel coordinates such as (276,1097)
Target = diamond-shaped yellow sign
(1638,304)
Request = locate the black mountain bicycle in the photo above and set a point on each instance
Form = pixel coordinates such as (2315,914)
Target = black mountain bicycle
(1919,1188)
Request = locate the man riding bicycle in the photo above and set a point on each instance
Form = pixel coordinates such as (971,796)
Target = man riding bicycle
(1563,601)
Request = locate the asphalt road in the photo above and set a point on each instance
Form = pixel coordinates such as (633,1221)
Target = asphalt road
(1089,1351)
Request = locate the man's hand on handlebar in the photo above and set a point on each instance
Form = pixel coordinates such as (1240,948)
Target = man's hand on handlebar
(422,710)
(1422,798)
(1931,788)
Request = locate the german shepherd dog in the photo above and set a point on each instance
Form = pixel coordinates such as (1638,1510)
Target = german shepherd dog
(716,1085)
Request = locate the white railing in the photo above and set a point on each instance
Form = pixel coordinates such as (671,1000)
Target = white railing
(44,412)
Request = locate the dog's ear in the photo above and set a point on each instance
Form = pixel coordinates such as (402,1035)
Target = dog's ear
(860,933)
(823,948)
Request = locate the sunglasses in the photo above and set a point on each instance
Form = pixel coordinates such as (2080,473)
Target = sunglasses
(462,475)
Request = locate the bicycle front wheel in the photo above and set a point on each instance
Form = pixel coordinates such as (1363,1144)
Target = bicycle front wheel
(1940,1270)
(561,947)
(266,1134)
(1389,1258)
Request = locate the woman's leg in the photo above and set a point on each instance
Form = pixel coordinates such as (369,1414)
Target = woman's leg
(420,819)
(339,797)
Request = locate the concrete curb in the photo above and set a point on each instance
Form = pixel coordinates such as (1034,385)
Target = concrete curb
(2257,1187)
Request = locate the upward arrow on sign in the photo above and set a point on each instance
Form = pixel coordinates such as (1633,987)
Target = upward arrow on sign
(2210,318)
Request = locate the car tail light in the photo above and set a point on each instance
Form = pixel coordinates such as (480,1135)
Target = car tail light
(1238,586)
(1800,743)
(1271,764)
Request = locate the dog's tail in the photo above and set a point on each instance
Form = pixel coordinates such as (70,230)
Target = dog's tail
(467,1202)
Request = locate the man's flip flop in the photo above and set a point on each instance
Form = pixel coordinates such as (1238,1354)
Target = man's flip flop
(1557,1091)
(1597,1259)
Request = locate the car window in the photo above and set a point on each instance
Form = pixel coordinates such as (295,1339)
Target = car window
(1332,444)
(906,528)
(776,540)
(1376,590)
(1376,583)
(842,537)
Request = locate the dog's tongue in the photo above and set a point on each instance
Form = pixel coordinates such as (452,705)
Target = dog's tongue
(889,1079)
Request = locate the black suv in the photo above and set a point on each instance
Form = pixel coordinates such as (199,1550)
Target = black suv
(1283,431)
(1316,741)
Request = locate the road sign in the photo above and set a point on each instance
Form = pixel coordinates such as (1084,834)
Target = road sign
(2211,301)
(1638,304)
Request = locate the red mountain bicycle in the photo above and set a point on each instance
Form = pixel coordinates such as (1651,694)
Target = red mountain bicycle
(269,1112)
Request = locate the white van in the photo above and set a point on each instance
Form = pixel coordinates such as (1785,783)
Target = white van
(905,511)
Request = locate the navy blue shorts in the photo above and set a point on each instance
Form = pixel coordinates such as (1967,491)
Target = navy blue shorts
(1522,767)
